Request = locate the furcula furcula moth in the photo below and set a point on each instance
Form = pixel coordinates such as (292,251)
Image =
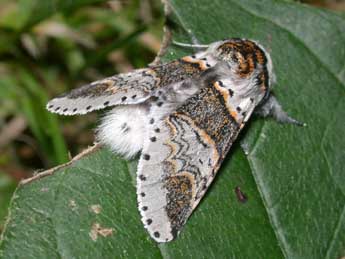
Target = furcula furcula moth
(183,116)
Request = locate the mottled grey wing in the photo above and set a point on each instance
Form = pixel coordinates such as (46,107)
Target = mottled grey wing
(130,88)
(181,156)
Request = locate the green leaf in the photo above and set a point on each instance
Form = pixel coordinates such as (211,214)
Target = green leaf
(292,176)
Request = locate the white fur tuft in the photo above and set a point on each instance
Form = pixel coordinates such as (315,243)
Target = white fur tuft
(123,129)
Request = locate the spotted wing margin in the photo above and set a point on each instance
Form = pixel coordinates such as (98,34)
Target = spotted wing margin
(180,158)
(130,88)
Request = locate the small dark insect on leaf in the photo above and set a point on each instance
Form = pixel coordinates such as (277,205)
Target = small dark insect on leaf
(240,195)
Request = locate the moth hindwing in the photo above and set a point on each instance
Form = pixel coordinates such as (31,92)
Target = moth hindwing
(184,116)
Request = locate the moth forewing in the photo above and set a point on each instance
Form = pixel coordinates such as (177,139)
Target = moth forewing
(131,88)
(181,156)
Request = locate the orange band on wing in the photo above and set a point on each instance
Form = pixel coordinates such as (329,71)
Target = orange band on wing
(201,63)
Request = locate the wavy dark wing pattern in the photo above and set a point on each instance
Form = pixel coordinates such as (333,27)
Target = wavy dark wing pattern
(181,155)
(131,88)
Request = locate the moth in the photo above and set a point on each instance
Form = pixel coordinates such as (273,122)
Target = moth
(183,116)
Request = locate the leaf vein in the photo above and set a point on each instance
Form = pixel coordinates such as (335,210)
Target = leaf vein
(335,234)
(282,242)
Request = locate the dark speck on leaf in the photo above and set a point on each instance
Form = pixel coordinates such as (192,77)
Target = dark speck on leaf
(240,195)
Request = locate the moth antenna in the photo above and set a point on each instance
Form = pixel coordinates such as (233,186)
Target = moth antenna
(187,45)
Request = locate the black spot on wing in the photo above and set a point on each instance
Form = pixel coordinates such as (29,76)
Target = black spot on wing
(142,177)
(231,92)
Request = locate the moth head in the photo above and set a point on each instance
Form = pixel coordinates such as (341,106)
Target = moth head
(248,60)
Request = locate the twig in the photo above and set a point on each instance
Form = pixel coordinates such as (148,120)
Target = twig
(54,169)
(167,36)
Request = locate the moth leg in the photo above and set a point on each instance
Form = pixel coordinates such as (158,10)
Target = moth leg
(195,42)
(272,108)
(187,45)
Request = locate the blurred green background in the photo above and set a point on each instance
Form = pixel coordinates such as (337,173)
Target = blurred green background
(48,47)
